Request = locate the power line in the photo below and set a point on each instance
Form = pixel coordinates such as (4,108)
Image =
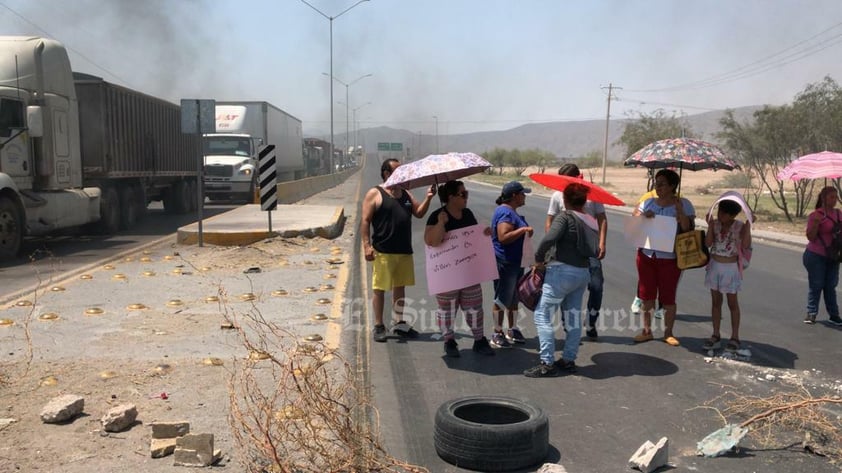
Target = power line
(761,65)
(662,104)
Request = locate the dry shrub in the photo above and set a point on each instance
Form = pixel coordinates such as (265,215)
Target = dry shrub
(295,407)
(778,419)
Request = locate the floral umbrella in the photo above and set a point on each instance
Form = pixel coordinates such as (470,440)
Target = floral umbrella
(559,183)
(826,164)
(681,153)
(436,169)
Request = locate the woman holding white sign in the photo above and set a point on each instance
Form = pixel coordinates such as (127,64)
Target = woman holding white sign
(453,215)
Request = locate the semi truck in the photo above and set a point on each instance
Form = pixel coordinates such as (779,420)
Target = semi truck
(78,151)
(231,154)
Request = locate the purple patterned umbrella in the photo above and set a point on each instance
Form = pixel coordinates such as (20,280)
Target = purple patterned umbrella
(681,153)
(436,169)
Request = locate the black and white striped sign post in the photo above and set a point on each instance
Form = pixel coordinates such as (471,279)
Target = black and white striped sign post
(266,179)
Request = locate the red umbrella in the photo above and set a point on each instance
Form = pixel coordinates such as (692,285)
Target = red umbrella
(559,183)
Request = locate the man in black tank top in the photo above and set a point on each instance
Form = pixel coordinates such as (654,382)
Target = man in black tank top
(389,212)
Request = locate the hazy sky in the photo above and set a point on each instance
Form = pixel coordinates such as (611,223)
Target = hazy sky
(475,64)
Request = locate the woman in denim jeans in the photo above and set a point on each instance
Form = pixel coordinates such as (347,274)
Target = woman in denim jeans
(822,272)
(565,280)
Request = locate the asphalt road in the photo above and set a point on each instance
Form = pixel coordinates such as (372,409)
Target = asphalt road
(624,394)
(42,258)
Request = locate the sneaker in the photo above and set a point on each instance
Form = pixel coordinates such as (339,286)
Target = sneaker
(541,371)
(712,343)
(659,314)
(499,340)
(404,330)
(565,366)
(732,346)
(835,320)
(482,347)
(810,319)
(514,336)
(643,337)
(380,333)
(451,349)
(636,306)
(591,333)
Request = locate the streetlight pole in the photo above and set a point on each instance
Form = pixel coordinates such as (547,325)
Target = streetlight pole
(437,133)
(347,102)
(330,19)
(356,126)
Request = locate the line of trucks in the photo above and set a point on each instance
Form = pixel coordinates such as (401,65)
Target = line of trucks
(79,152)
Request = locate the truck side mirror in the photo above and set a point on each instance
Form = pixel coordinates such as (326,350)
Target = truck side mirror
(35,121)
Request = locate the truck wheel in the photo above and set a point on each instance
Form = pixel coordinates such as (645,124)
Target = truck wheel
(128,205)
(191,196)
(11,229)
(140,200)
(175,199)
(109,212)
(491,433)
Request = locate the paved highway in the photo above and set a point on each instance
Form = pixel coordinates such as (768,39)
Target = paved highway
(624,394)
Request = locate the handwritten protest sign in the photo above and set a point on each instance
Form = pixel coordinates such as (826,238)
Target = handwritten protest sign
(465,258)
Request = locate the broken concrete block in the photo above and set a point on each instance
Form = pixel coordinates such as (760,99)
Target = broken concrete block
(194,450)
(551,468)
(119,418)
(170,430)
(160,448)
(62,408)
(649,457)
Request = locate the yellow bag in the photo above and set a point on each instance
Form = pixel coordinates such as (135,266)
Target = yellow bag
(690,249)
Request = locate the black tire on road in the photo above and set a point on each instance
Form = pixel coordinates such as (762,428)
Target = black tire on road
(109,212)
(491,433)
(11,229)
(141,201)
(128,207)
(192,199)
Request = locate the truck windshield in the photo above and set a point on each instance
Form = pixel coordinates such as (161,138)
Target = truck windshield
(227,146)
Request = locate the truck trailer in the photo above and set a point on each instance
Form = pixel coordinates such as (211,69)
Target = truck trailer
(78,151)
(231,154)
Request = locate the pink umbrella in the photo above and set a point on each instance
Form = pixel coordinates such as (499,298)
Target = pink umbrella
(437,169)
(826,164)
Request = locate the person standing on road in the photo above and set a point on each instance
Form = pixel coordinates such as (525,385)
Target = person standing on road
(657,271)
(508,229)
(727,238)
(453,215)
(822,271)
(596,210)
(389,211)
(575,237)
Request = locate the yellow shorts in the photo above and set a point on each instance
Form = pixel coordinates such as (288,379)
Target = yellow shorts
(392,270)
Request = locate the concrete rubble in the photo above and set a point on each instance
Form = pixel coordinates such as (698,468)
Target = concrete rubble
(119,418)
(62,408)
(164,436)
(196,450)
(650,457)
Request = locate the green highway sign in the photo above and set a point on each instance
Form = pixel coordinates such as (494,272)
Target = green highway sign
(382,146)
(396,147)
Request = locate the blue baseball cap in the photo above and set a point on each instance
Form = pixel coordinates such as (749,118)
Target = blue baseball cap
(514,187)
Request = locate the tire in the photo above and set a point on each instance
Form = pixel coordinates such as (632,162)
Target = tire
(175,198)
(109,212)
(491,433)
(141,201)
(128,207)
(11,229)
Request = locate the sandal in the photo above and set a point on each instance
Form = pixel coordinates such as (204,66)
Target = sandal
(671,341)
(644,336)
(712,343)
(733,345)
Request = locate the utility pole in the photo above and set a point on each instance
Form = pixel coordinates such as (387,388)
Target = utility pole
(607,119)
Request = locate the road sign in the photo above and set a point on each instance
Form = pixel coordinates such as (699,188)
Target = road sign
(396,147)
(267,178)
(198,116)
(382,146)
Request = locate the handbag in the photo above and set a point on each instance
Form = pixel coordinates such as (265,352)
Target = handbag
(529,288)
(690,249)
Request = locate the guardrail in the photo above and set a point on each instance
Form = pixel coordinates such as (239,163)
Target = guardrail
(291,192)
